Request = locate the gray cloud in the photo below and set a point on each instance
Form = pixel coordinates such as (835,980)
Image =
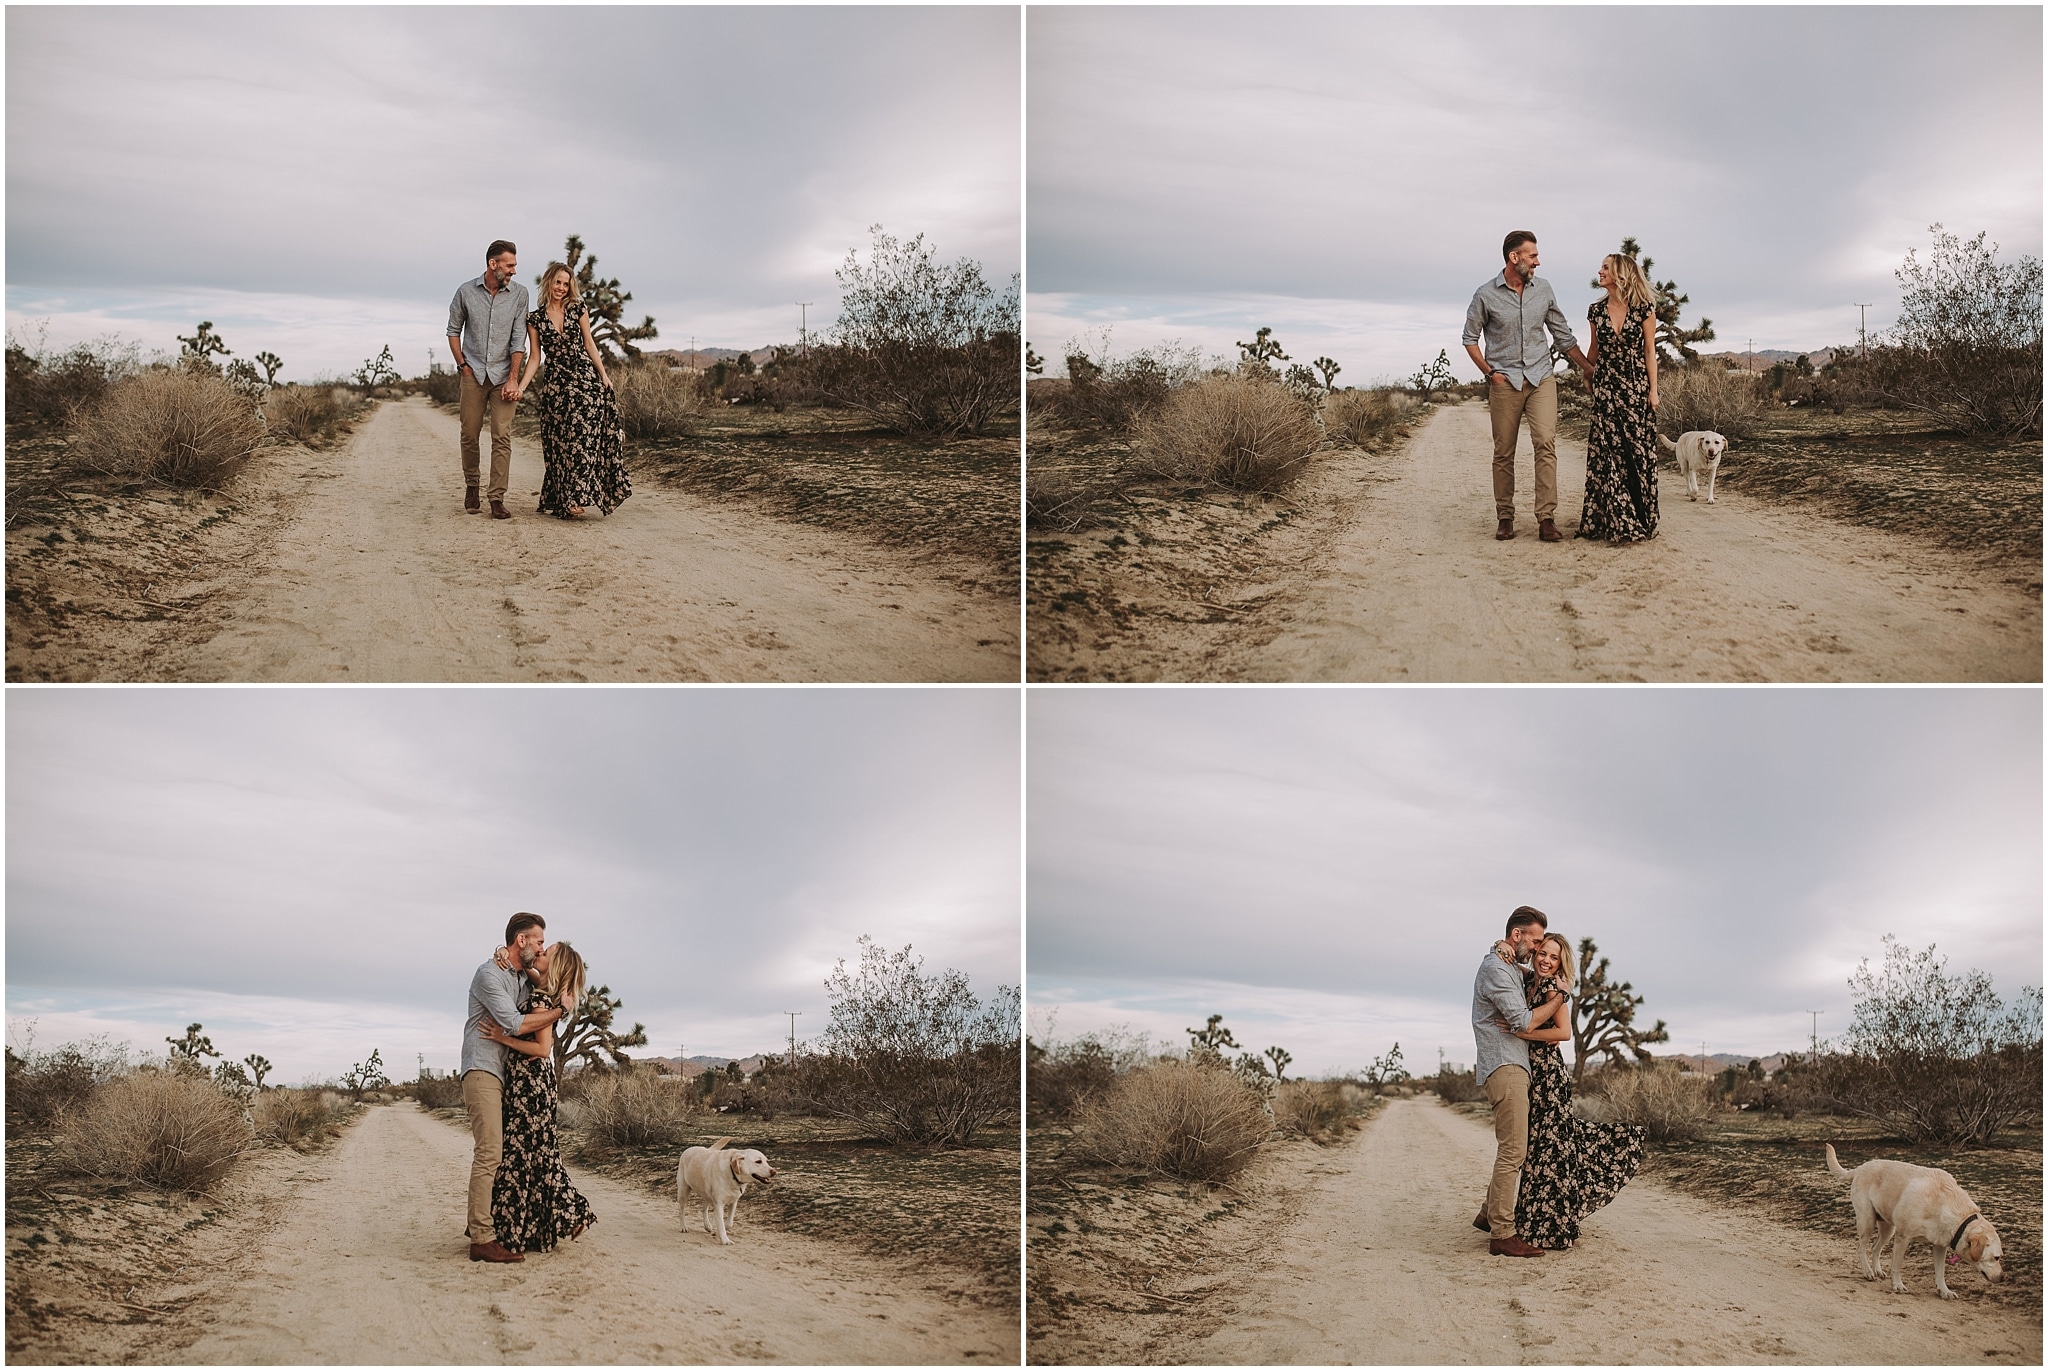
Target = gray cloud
(721,161)
(1735,852)
(1777,161)
(351,856)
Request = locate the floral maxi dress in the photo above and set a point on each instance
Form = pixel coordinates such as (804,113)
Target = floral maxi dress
(1621,446)
(533,1205)
(1573,1166)
(580,439)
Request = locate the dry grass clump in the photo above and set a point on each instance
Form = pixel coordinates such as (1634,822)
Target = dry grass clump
(635,1109)
(1199,1123)
(177,425)
(43,1086)
(313,415)
(1316,1109)
(1367,417)
(1454,1087)
(167,1128)
(1245,434)
(657,401)
(1672,1106)
(437,1092)
(1708,396)
(300,1119)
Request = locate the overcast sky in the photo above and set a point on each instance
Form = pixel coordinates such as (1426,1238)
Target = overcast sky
(317,181)
(314,873)
(1326,868)
(1346,174)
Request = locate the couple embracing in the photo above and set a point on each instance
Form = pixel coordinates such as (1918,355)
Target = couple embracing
(520,1198)
(1551,1168)
(498,345)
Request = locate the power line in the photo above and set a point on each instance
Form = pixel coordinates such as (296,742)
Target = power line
(1862,338)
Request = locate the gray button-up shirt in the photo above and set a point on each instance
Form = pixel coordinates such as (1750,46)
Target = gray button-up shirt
(503,995)
(491,327)
(1514,324)
(1497,989)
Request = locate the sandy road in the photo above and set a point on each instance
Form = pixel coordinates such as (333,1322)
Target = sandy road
(1380,1264)
(368,1265)
(382,577)
(1416,589)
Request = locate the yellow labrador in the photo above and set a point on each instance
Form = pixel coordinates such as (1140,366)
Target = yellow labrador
(717,1178)
(1899,1201)
(1698,451)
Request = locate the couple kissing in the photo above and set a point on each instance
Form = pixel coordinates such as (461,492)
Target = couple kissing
(1551,1168)
(520,1198)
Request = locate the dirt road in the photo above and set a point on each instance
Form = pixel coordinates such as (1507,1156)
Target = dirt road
(367,1264)
(1378,1263)
(382,577)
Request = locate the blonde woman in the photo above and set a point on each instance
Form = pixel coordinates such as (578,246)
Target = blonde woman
(1573,1166)
(1621,448)
(533,1205)
(579,413)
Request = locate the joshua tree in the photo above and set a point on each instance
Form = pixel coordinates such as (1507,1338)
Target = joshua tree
(1387,1070)
(1670,336)
(1261,353)
(606,303)
(1033,363)
(1280,1057)
(1210,1041)
(588,1036)
(271,364)
(366,1075)
(187,1051)
(204,341)
(259,1067)
(1329,369)
(1434,376)
(1604,1015)
(381,370)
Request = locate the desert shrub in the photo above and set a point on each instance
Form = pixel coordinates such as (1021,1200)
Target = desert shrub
(313,415)
(1454,1087)
(168,1128)
(442,386)
(1113,393)
(919,1059)
(300,1118)
(1060,1076)
(1707,395)
(438,1092)
(919,347)
(1672,1106)
(178,425)
(657,401)
(56,389)
(42,1086)
(1967,345)
(1187,1119)
(1245,434)
(634,1108)
(1934,1057)
(1316,1109)
(1367,417)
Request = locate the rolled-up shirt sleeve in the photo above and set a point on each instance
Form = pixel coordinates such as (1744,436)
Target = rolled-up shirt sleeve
(455,314)
(1475,318)
(1504,993)
(1560,330)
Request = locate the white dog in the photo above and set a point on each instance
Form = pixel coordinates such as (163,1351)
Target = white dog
(1696,452)
(715,1176)
(1897,1200)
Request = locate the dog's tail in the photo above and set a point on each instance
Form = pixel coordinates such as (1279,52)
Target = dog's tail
(720,1143)
(1667,445)
(1835,1167)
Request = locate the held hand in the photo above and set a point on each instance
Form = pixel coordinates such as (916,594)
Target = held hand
(511,391)
(1653,397)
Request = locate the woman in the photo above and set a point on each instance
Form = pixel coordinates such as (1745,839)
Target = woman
(1573,1166)
(1621,448)
(533,1205)
(579,413)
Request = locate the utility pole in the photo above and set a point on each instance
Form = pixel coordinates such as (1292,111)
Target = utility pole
(1862,339)
(792,1035)
(1752,357)
(1816,1029)
(802,334)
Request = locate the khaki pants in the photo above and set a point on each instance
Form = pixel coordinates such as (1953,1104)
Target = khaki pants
(1507,407)
(483,1095)
(1507,1090)
(476,397)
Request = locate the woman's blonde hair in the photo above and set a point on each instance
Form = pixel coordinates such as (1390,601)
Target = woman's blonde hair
(547,280)
(1567,972)
(565,974)
(1630,281)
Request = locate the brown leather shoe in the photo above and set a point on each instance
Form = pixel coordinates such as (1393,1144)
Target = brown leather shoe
(470,503)
(1512,1246)
(498,510)
(493,1251)
(1506,530)
(1481,1224)
(1547,531)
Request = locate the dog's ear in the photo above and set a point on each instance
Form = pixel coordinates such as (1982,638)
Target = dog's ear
(739,1165)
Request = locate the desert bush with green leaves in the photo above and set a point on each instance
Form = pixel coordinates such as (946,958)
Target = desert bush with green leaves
(47,389)
(1454,1087)
(43,1086)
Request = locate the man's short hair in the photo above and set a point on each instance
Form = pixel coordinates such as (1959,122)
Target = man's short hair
(1507,244)
(1521,918)
(520,923)
(491,254)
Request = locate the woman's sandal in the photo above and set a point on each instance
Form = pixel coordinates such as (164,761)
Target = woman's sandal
(577,1231)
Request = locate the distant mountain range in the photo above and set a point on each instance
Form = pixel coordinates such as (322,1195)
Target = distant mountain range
(703,359)
(694,1066)
(1764,357)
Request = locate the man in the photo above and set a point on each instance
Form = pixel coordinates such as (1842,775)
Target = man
(487,334)
(501,989)
(1502,1068)
(1513,311)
